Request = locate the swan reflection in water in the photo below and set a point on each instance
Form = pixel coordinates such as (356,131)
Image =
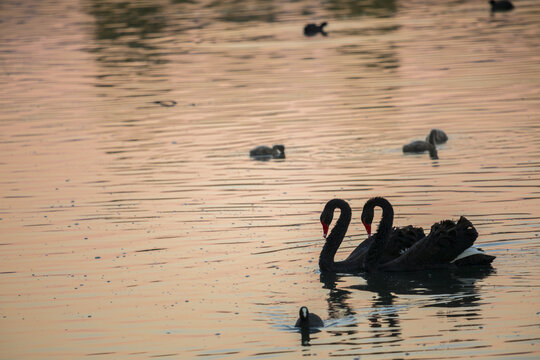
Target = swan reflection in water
(446,288)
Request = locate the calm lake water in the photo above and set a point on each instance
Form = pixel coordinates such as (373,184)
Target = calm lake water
(130,229)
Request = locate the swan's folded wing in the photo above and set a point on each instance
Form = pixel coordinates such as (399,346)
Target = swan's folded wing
(444,243)
(358,254)
(400,240)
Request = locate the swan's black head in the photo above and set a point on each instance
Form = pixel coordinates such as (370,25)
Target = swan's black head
(326,220)
(328,213)
(304,313)
(367,217)
(369,211)
(326,216)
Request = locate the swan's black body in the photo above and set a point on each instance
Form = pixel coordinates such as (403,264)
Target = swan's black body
(502,5)
(307,319)
(439,136)
(399,240)
(443,244)
(314,29)
(446,241)
(421,146)
(265,152)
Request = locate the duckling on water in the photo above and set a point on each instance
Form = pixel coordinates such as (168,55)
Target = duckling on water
(314,29)
(308,320)
(421,146)
(276,152)
(501,5)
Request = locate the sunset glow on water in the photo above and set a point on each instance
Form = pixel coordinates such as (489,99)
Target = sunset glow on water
(130,229)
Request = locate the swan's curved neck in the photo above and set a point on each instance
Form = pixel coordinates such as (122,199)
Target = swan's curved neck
(387,218)
(383,232)
(333,241)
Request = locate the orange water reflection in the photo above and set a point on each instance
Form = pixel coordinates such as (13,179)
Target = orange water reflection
(131,229)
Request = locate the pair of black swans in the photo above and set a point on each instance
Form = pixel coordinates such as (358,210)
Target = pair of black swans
(448,245)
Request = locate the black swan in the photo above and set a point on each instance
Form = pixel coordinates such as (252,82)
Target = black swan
(314,29)
(448,245)
(400,239)
(308,320)
(439,136)
(421,146)
(276,152)
(502,5)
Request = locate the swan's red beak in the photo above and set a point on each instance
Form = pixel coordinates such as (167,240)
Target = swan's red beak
(325,229)
(368,228)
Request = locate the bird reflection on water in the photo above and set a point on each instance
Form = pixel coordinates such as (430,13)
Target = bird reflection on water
(441,288)
(306,338)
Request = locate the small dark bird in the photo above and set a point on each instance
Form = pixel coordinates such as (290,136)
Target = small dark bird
(314,29)
(439,136)
(265,152)
(421,146)
(501,5)
(308,320)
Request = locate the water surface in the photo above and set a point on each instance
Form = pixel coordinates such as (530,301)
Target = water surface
(130,229)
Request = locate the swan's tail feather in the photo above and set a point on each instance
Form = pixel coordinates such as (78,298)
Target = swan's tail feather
(473,256)
(476,259)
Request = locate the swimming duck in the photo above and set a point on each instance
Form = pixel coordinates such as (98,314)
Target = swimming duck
(314,29)
(501,5)
(307,319)
(276,152)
